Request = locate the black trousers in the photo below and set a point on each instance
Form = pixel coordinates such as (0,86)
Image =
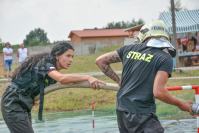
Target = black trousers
(16,117)
(138,123)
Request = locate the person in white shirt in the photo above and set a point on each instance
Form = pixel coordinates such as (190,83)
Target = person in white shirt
(22,53)
(7,55)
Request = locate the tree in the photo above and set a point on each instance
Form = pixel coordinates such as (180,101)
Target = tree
(1,44)
(1,41)
(123,24)
(36,37)
(178,6)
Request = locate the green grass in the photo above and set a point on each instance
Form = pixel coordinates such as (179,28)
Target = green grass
(78,99)
(87,63)
(172,112)
(185,73)
(183,82)
(81,99)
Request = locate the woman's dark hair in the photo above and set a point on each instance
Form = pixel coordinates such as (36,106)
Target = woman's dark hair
(31,61)
(60,48)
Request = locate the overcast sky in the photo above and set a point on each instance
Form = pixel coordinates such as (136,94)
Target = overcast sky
(59,17)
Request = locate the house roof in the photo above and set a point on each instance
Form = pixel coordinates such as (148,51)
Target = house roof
(98,33)
(186,21)
(135,28)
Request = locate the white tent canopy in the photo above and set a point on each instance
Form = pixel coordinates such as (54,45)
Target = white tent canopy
(186,21)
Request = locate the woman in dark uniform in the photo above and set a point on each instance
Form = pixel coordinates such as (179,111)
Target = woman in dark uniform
(31,78)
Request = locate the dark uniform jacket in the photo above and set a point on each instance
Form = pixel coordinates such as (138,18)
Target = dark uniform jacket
(21,92)
(140,65)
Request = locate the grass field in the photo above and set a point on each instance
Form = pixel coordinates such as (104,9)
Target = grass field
(81,99)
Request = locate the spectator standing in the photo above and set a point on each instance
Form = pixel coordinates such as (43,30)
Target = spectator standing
(7,56)
(22,53)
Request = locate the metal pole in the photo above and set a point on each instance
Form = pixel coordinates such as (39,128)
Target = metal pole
(174,31)
(93,115)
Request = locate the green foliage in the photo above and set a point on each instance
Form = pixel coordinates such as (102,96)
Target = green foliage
(1,45)
(36,37)
(123,24)
(178,6)
(15,47)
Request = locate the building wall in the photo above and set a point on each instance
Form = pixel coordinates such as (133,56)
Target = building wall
(34,50)
(75,39)
(104,41)
(129,41)
(91,45)
(40,49)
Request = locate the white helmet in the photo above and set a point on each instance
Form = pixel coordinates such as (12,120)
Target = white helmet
(158,36)
(156,28)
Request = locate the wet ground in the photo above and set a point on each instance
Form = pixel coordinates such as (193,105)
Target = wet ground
(63,123)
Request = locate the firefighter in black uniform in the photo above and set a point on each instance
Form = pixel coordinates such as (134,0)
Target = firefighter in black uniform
(146,68)
(31,78)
